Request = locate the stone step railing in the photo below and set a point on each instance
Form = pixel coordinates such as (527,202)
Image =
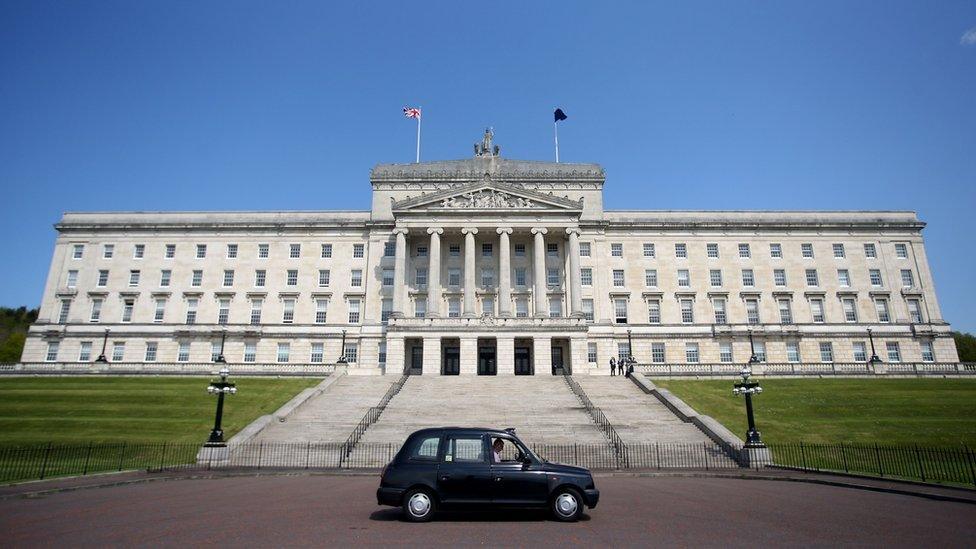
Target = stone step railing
(164,368)
(811,369)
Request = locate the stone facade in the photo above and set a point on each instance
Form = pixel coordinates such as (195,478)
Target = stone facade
(532,275)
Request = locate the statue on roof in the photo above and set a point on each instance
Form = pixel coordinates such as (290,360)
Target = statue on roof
(485,148)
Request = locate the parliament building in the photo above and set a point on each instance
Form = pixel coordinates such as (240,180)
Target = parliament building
(489,266)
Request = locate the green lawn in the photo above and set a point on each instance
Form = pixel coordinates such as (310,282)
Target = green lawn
(75,410)
(936,412)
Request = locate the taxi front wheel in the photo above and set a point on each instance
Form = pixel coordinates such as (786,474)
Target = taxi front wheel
(418,505)
(567,505)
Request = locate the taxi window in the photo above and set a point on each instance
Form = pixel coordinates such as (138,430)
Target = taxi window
(426,449)
(466,450)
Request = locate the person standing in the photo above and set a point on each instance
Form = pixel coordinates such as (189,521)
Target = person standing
(613,366)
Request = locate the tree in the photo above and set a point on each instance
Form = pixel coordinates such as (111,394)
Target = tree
(13,331)
(966,345)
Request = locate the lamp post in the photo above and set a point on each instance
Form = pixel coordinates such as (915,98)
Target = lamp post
(342,349)
(630,355)
(749,388)
(102,357)
(219,388)
(874,356)
(220,355)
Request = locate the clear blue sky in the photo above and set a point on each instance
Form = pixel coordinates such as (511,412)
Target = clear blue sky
(688,105)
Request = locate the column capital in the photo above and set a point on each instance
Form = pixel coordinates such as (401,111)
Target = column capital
(504,230)
(573,230)
(540,230)
(469,230)
(435,230)
(401,230)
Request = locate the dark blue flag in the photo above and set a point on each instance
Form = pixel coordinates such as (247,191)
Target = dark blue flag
(559,115)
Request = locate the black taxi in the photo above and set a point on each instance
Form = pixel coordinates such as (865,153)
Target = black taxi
(456,466)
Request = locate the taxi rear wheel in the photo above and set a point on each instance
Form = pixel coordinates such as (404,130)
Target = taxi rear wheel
(567,505)
(418,505)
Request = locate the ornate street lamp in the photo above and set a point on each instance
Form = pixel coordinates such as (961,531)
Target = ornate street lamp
(220,388)
(220,355)
(342,350)
(874,356)
(102,357)
(749,388)
(630,355)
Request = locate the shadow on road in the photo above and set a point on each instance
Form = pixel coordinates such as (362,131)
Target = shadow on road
(475,515)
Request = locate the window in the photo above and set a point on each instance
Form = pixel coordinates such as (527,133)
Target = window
(127,306)
(52,351)
(744,251)
(684,278)
(164,278)
(649,250)
(260,276)
(623,351)
(725,352)
(215,351)
(552,249)
(586,276)
(96,310)
(386,309)
(521,308)
(520,250)
(288,311)
(151,347)
(687,311)
(715,277)
(650,278)
(681,250)
(228,278)
(118,351)
(901,251)
(826,351)
(718,304)
(860,351)
(250,351)
(486,250)
(389,249)
(294,251)
(420,307)
(654,311)
(616,249)
(108,250)
(620,310)
(170,251)
(850,309)
(519,276)
(284,350)
(257,304)
(84,352)
(316,354)
(915,310)
(894,351)
(748,278)
(201,251)
(591,353)
(465,450)
(779,277)
(752,311)
(454,250)
(326,251)
(488,306)
(812,278)
(78,251)
(454,276)
(843,277)
(388,277)
(806,250)
(907,278)
(928,355)
(657,353)
(358,251)
(421,251)
(584,248)
(839,251)
(133,278)
(760,351)
(792,351)
(817,310)
(881,306)
(552,277)
(776,251)
(223,311)
(453,307)
(191,310)
(160,312)
(785,312)
(555,307)
(870,251)
(354,311)
(291,277)
(488,277)
(588,309)
(618,277)
(711,250)
(324,277)
(197,278)
(232,251)
(139,251)
(420,278)
(875,275)
(691,353)
(102,278)
(63,312)
(183,352)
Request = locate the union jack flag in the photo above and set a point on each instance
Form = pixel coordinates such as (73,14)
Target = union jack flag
(411,112)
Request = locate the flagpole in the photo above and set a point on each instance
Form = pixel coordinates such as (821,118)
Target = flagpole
(555,133)
(418,133)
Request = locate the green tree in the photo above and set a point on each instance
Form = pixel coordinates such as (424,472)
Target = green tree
(966,345)
(13,331)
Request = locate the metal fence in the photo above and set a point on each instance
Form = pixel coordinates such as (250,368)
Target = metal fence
(810,369)
(373,414)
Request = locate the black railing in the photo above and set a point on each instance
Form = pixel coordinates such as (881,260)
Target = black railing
(373,415)
(599,418)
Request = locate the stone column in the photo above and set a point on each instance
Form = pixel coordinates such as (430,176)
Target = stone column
(469,356)
(505,355)
(539,271)
(432,356)
(575,283)
(395,355)
(399,272)
(504,272)
(469,274)
(542,355)
(434,276)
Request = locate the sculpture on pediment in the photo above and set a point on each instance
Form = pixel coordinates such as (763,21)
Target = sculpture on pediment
(487,198)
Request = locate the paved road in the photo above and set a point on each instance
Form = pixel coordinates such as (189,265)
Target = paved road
(341,510)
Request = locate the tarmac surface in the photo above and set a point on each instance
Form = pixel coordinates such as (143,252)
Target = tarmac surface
(341,510)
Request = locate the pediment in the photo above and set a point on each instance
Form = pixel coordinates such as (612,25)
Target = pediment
(488,195)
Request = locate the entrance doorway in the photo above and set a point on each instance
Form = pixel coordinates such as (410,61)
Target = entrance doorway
(416,360)
(487,365)
(557,361)
(523,361)
(451,357)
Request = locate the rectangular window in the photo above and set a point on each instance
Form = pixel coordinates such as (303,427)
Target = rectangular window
(519,276)
(420,278)
(785,312)
(78,251)
(870,251)
(684,278)
(284,350)
(454,250)
(232,251)
(826,351)
(901,251)
(421,251)
(850,309)
(84,352)
(453,307)
(752,311)
(72,280)
(354,311)
(316,355)
(555,307)
(386,309)
(591,353)
(616,249)
(725,352)
(151,347)
(744,251)
(118,351)
(519,250)
(521,308)
(907,278)
(52,351)
(585,250)
(718,304)
(687,311)
(127,306)
(876,279)
(894,351)
(586,276)
(257,304)
(817,310)
(250,351)
(488,277)
(486,250)
(748,278)
(691,353)
(183,352)
(260,277)
(552,249)
(326,252)
(96,310)
(915,310)
(792,351)
(843,277)
(759,350)
(351,352)
(164,278)
(657,353)
(191,310)
(201,251)
(454,277)
(649,250)
(170,251)
(264,251)
(779,277)
(812,278)
(623,351)
(358,251)
(215,351)
(388,277)
(102,278)
(839,251)
(294,251)
(654,311)
(291,277)
(928,355)
(588,309)
(618,277)
(860,351)
(223,311)
(776,251)
(63,312)
(420,307)
(881,306)
(711,250)
(806,250)
(139,251)
(389,249)
(488,306)
(620,310)
(680,250)
(552,276)
(228,278)
(650,278)
(108,251)
(288,311)
(325,276)
(715,277)
(160,312)
(196,279)
(134,278)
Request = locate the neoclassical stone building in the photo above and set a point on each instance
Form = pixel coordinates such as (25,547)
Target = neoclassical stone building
(489,266)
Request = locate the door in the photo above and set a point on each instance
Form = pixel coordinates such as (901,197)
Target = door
(486,361)
(464,473)
(451,365)
(557,361)
(417,359)
(523,361)
(516,482)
